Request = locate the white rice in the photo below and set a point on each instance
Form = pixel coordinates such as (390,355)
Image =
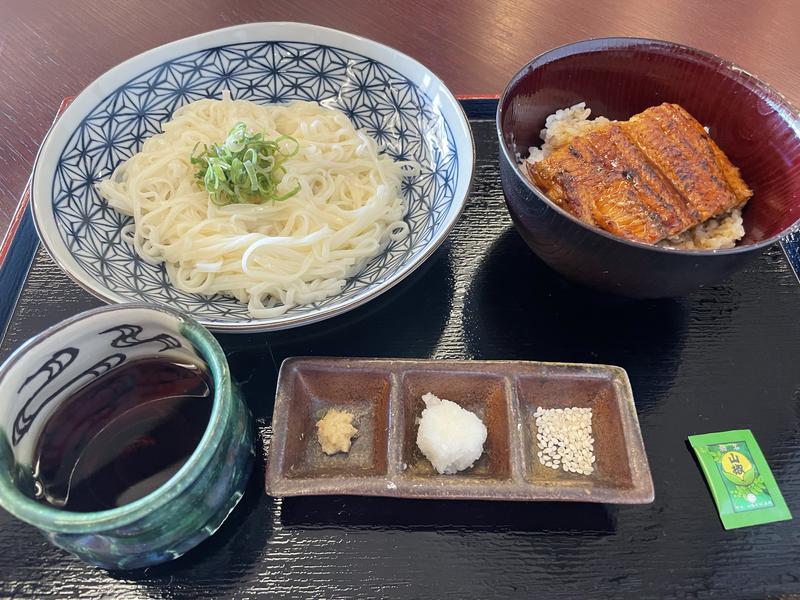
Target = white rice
(561,127)
(721,232)
(564,124)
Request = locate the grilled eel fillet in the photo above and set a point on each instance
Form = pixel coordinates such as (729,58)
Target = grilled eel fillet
(645,179)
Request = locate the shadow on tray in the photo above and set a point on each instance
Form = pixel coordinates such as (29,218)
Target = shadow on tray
(352,512)
(239,543)
(516,307)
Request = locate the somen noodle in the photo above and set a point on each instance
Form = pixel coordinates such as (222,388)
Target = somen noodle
(338,205)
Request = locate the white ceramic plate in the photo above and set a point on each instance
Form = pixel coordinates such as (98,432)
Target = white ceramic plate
(399,102)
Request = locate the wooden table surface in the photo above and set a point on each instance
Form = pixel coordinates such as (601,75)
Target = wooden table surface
(49,50)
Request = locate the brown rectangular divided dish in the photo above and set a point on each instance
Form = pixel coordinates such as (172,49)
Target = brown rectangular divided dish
(384,395)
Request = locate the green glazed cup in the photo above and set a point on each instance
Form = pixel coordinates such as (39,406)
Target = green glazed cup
(173,518)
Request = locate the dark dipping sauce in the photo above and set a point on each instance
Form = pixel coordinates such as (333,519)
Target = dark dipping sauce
(122,436)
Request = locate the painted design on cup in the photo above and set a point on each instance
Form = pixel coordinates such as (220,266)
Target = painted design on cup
(166,522)
(128,337)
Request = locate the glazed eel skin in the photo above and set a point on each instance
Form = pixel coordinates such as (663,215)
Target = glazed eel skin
(645,179)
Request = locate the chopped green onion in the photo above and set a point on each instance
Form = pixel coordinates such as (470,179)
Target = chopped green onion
(244,168)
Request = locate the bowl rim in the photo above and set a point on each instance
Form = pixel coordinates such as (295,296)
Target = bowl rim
(89,284)
(52,519)
(596,44)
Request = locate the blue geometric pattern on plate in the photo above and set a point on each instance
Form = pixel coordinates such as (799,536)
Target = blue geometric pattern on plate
(375,97)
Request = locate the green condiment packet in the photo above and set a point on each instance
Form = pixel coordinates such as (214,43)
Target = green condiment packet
(740,480)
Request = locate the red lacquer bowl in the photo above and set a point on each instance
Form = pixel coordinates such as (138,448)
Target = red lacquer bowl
(618,77)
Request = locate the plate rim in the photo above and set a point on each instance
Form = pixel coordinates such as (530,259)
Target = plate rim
(50,241)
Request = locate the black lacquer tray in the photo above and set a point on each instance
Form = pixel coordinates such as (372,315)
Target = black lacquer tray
(726,357)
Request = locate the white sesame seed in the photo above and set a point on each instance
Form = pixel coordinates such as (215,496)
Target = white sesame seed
(564,437)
